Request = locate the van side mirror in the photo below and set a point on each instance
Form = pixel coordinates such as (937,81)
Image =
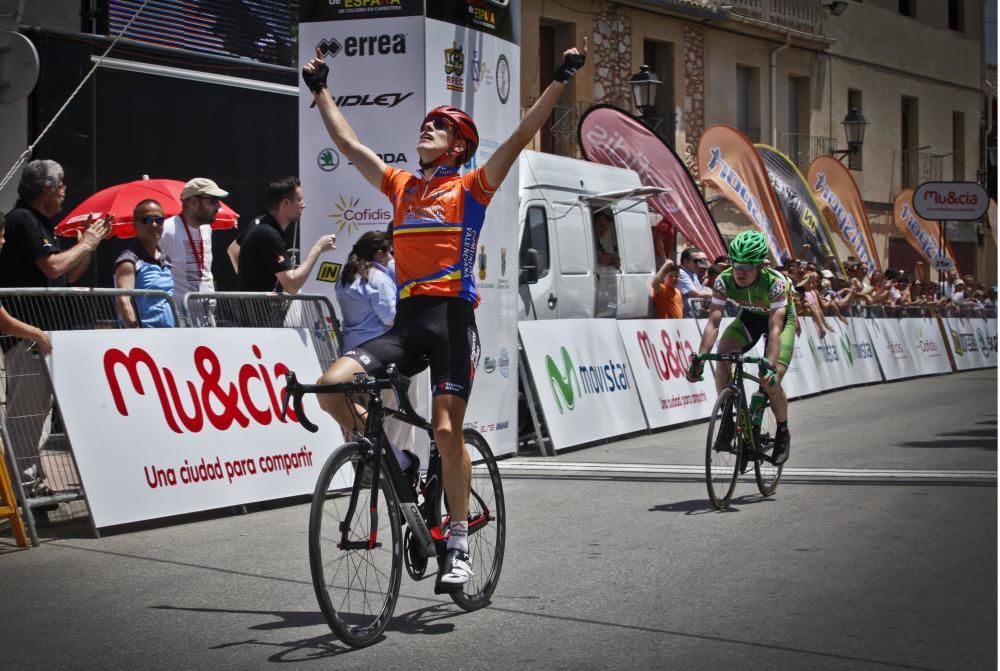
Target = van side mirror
(529,267)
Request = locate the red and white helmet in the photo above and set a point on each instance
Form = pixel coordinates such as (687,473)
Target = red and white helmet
(465,128)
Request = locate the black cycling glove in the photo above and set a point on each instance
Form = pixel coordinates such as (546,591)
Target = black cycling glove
(571,63)
(316,80)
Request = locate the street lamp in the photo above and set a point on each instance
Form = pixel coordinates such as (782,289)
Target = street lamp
(644,85)
(837,7)
(854,130)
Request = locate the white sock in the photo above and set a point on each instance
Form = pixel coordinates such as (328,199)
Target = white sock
(458,536)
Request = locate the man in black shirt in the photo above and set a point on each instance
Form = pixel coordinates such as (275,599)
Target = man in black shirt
(265,263)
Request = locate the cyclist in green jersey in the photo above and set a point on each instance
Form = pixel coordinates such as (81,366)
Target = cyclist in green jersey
(765,309)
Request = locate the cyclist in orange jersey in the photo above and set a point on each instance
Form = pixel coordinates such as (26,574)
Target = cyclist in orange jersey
(438,214)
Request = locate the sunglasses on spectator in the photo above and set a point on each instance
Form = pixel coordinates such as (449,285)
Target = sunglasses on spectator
(214,200)
(702,262)
(744,267)
(151,220)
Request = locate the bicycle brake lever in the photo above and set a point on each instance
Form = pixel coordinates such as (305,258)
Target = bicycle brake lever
(290,385)
(293,391)
(303,420)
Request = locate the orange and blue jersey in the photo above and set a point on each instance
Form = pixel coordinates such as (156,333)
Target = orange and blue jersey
(435,230)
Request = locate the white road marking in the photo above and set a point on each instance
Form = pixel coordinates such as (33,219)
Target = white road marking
(546,466)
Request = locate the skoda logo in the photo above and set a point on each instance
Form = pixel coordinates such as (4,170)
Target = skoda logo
(328,160)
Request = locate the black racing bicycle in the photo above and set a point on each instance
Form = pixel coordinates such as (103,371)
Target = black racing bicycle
(750,432)
(358,545)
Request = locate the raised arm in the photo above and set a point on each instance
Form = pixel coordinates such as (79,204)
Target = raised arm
(364,159)
(498,165)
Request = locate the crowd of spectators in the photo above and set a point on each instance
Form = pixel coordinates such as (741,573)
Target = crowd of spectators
(823,293)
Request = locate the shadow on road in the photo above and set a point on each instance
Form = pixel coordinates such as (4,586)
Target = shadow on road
(981,438)
(702,506)
(422,621)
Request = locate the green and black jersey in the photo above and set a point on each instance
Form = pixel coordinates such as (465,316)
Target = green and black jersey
(770,291)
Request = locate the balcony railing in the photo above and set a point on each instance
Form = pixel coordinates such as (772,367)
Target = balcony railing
(805,15)
(803,149)
(558,135)
(912,168)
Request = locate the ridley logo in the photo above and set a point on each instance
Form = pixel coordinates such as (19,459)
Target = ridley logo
(368,100)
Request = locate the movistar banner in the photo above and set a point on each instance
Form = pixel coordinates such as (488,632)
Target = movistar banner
(840,200)
(803,219)
(582,377)
(729,164)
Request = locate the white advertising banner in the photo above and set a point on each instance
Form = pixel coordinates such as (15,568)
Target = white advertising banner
(894,351)
(389,64)
(973,342)
(659,351)
(174,421)
(924,337)
(859,353)
(582,377)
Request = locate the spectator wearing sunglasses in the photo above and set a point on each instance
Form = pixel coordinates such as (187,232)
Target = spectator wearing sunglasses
(143,266)
(694,264)
(187,240)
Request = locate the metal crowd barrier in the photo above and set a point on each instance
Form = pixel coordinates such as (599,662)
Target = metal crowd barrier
(35,445)
(312,312)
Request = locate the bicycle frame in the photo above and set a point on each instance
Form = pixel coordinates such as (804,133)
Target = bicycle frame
(748,432)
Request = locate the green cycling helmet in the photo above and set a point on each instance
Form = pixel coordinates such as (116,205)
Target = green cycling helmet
(748,247)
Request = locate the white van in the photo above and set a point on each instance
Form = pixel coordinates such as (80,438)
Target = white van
(572,265)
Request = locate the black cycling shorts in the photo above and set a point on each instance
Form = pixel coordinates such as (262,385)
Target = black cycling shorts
(429,330)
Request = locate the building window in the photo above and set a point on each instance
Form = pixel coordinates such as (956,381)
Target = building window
(958,146)
(855,102)
(748,101)
(659,56)
(956,16)
(908,8)
(799,141)
(553,39)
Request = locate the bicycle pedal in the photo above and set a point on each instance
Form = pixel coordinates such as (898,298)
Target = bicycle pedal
(447,588)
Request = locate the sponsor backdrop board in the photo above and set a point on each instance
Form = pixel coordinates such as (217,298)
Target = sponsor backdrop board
(389,65)
(659,351)
(180,420)
(923,336)
(895,354)
(862,361)
(582,379)
(973,342)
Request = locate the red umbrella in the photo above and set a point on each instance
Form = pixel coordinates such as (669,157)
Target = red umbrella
(121,199)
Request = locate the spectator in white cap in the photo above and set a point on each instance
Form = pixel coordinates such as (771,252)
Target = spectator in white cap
(187,240)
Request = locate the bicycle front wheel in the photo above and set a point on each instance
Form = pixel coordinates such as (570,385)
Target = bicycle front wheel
(765,471)
(722,454)
(356,569)
(487,525)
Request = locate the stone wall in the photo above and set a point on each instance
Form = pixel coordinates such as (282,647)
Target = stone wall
(612,54)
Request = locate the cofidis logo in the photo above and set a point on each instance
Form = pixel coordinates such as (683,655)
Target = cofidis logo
(570,382)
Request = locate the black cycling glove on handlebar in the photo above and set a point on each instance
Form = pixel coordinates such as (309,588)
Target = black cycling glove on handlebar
(316,80)
(571,63)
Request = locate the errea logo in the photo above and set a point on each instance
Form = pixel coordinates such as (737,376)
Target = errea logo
(364,45)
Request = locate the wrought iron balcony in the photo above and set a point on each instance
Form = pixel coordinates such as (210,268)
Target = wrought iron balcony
(558,134)
(803,149)
(804,15)
(912,168)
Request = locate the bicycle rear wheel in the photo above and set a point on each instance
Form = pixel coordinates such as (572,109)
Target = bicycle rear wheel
(487,525)
(722,461)
(356,585)
(765,471)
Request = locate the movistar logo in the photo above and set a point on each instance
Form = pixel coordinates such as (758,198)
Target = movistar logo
(845,344)
(812,350)
(562,385)
(598,378)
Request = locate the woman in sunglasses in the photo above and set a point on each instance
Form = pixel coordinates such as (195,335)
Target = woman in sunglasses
(438,214)
(765,310)
(143,266)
